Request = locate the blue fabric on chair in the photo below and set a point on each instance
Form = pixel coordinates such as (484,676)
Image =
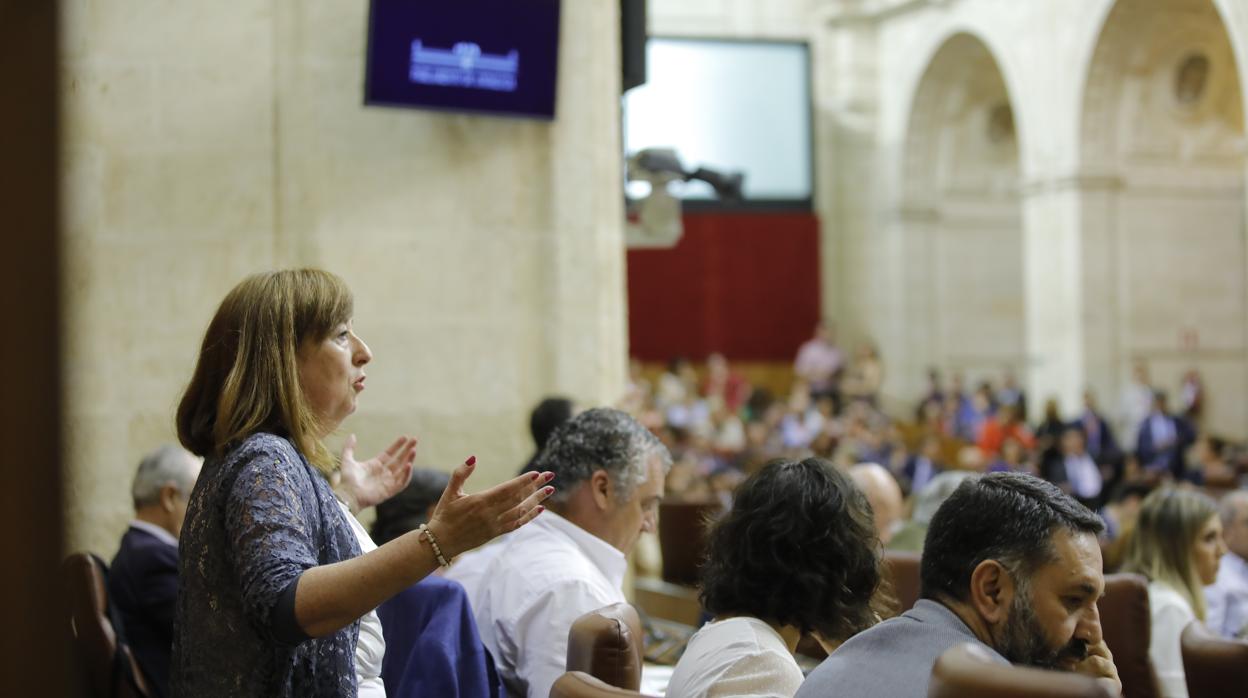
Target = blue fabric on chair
(432,645)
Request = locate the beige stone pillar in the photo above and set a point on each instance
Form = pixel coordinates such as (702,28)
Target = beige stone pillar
(1072,251)
(1101,315)
(168,172)
(1053,291)
(921,346)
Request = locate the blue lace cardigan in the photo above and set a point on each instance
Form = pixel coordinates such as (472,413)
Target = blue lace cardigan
(257,519)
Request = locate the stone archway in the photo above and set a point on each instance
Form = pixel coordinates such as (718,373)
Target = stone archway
(961,218)
(1162,205)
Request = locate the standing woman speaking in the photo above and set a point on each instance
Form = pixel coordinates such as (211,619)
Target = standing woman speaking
(273,584)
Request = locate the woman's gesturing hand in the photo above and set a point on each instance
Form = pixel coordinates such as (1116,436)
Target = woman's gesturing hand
(364,484)
(461,522)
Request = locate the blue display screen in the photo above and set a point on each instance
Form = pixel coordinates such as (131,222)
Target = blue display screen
(494,56)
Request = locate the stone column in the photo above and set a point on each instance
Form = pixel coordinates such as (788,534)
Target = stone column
(921,346)
(1053,289)
(856,296)
(1071,253)
(585,335)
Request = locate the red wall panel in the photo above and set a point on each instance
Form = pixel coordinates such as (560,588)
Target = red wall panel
(744,284)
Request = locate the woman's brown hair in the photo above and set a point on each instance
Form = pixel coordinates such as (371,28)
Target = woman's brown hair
(798,548)
(246,379)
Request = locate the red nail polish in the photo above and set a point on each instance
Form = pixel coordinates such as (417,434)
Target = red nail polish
(550,476)
(550,490)
(541,509)
(472,460)
(534,476)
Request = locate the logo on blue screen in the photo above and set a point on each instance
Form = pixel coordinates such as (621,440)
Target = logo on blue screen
(464,65)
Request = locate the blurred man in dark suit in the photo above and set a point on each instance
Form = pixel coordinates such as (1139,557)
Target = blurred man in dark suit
(1097,432)
(1162,440)
(143,581)
(1075,471)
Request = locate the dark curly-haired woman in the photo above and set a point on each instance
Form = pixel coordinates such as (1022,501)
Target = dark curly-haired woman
(796,555)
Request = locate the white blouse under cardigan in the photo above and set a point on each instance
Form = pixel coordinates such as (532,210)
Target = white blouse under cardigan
(736,657)
(1170,613)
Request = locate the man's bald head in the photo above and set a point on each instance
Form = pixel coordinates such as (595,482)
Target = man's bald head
(883,493)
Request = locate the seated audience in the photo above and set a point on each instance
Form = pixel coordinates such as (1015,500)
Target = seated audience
(924,466)
(803,421)
(1192,396)
(967,415)
(723,387)
(997,428)
(1012,394)
(1010,563)
(728,438)
(1210,467)
(863,436)
(1162,439)
(1098,434)
(819,361)
(1049,431)
(910,535)
(1011,459)
(1074,470)
(638,391)
(432,644)
(796,555)
(143,579)
(610,471)
(714,448)
(972,459)
(865,375)
(1176,545)
(678,383)
(884,495)
(762,443)
(1227,614)
(933,418)
(934,397)
(957,387)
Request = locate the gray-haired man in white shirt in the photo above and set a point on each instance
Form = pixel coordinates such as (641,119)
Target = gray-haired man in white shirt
(610,472)
(1228,597)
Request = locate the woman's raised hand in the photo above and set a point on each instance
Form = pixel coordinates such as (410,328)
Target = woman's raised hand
(461,522)
(363,484)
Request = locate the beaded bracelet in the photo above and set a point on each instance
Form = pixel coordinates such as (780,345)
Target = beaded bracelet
(427,534)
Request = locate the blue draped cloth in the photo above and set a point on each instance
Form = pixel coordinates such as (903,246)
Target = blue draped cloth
(432,645)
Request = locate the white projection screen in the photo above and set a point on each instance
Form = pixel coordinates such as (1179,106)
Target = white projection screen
(727,105)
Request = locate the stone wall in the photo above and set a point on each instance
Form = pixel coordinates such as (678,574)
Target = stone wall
(1107,226)
(1107,277)
(204,142)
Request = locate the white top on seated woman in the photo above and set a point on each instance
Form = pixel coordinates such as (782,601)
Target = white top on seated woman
(1177,544)
(797,555)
